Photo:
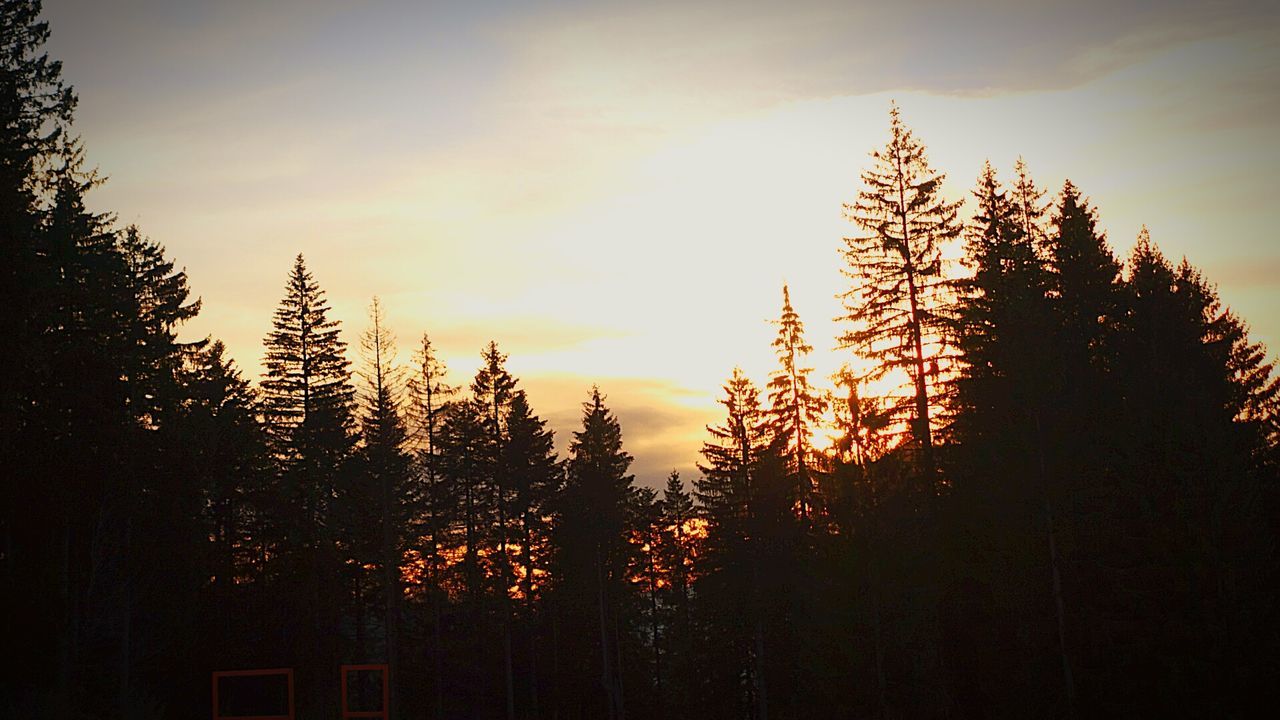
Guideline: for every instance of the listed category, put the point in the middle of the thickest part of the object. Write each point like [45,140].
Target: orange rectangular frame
[286,672]
[386,692]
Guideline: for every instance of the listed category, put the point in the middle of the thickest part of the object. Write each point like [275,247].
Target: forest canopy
[1052,489]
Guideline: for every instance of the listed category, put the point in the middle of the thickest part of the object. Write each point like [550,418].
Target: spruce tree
[220,419]
[1002,315]
[308,402]
[900,288]
[160,294]
[737,491]
[593,553]
[1003,404]
[435,498]
[308,412]
[795,407]
[491,395]
[536,478]
[386,476]
[36,109]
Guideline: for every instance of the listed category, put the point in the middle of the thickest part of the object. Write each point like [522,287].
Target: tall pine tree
[900,285]
[308,410]
[795,407]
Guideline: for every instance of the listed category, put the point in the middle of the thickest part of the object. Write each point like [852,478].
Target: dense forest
[1052,493]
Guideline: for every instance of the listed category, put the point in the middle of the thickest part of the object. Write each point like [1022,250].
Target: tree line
[1051,491]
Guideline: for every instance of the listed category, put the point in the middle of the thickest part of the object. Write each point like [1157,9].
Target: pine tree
[678,545]
[796,409]
[1188,500]
[1030,209]
[491,396]
[536,478]
[861,421]
[736,491]
[732,456]
[1084,283]
[386,468]
[1003,402]
[436,501]
[308,401]
[307,406]
[36,109]
[220,415]
[77,432]
[900,284]
[593,553]
[1002,315]
[160,294]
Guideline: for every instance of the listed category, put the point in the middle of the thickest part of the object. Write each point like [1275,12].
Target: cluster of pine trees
[1065,504]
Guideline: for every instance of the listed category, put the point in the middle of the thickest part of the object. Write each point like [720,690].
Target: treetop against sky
[616,193]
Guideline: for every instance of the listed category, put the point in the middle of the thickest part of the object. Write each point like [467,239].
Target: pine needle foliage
[896,307]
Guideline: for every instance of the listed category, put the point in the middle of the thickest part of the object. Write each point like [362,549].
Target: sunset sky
[616,192]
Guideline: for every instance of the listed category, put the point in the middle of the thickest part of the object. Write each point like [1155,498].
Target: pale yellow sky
[616,192]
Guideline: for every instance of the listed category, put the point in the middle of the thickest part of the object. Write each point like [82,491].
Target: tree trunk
[606,676]
[392,596]
[1068,681]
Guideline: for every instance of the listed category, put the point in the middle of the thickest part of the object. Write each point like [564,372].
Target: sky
[616,192]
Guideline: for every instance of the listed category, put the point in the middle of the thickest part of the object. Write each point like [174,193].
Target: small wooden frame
[287,673]
[384,711]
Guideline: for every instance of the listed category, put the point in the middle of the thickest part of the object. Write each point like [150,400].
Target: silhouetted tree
[536,477]
[795,407]
[900,286]
[593,552]
[308,410]
[377,510]
[437,501]
[733,491]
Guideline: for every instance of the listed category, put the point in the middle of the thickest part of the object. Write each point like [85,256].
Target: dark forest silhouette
[1067,508]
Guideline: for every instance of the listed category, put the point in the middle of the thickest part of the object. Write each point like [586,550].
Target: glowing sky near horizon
[615,192]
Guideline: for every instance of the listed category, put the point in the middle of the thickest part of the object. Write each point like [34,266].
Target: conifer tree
[1002,314]
[160,294]
[900,286]
[386,481]
[593,553]
[78,430]
[464,447]
[1002,390]
[308,412]
[1030,209]
[796,408]
[738,469]
[678,545]
[220,416]
[491,395]
[308,401]
[36,109]
[1084,283]
[536,477]
[436,500]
